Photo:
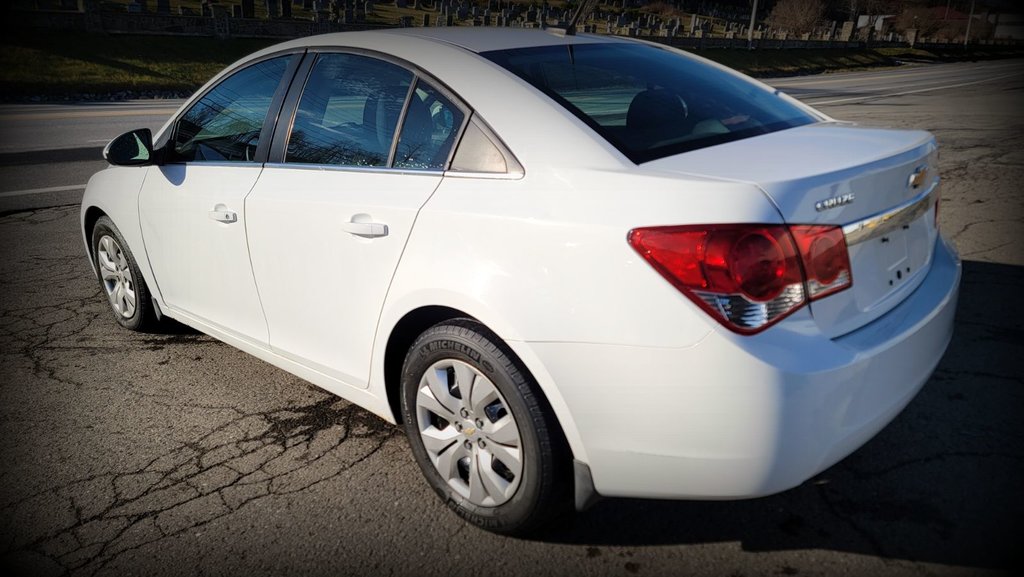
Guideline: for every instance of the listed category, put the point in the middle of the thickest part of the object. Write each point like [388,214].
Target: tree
[797,16]
[920,18]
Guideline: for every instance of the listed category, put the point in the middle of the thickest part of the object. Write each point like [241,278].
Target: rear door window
[429,130]
[349,111]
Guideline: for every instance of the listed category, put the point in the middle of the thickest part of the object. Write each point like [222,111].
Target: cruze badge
[833,202]
[918,176]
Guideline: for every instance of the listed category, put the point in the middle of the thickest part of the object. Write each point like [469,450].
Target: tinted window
[225,124]
[349,111]
[428,131]
[650,102]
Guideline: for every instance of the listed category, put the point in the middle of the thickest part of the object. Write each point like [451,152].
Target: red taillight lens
[747,276]
[825,257]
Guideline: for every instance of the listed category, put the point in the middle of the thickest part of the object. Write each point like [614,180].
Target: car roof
[484,39]
[474,39]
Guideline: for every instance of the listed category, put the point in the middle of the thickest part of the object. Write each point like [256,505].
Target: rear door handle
[365,229]
[221,213]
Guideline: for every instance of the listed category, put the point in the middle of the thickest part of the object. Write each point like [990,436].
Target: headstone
[273,8]
[847,31]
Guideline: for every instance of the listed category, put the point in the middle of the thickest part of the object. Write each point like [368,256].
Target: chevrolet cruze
[570,265]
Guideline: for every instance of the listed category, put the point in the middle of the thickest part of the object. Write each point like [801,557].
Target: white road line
[938,70]
[41,190]
[905,92]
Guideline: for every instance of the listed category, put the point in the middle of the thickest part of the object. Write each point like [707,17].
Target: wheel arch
[416,321]
[89,219]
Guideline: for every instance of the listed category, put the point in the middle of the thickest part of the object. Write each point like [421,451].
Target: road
[174,454]
[49,151]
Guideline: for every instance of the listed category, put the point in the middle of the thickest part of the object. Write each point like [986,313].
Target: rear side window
[431,125]
[650,102]
[349,111]
[226,123]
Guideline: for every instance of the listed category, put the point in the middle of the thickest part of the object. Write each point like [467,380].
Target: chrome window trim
[484,175]
[344,168]
[218,163]
[884,222]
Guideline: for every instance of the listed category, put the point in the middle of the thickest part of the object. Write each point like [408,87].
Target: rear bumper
[737,417]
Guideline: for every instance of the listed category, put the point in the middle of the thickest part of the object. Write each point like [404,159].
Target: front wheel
[120,278]
[482,432]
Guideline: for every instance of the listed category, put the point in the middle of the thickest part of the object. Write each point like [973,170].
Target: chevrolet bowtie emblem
[918,177]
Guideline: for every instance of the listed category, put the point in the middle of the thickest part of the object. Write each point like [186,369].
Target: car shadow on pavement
[941,484]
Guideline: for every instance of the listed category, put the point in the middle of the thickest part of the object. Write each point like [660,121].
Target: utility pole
[970,17]
[750,31]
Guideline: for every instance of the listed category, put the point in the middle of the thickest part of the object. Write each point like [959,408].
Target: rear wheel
[120,278]
[481,431]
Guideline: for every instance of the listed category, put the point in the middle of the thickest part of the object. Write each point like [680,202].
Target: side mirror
[133,148]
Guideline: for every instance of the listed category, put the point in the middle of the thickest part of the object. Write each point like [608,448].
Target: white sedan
[571,265]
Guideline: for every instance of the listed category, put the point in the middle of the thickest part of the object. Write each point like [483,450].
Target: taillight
[748,276]
[825,257]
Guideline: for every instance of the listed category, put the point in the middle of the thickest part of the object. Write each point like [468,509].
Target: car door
[192,204]
[366,147]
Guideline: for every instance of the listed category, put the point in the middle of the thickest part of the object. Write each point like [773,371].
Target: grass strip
[76,64]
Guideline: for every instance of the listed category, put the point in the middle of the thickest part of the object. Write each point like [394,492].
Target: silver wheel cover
[469,433]
[117,276]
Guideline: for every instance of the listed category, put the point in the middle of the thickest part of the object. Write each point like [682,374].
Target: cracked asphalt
[174,454]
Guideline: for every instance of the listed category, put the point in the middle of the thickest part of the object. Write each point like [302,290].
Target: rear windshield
[650,102]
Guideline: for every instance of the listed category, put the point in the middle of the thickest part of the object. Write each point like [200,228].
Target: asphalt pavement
[174,454]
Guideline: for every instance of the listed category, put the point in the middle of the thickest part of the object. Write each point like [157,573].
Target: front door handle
[221,213]
[366,229]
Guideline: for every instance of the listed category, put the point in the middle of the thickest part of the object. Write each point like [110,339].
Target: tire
[120,278]
[482,432]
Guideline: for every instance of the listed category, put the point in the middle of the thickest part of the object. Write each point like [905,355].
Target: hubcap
[117,276]
[469,433]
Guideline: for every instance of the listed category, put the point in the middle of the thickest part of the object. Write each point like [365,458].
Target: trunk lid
[879,184]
